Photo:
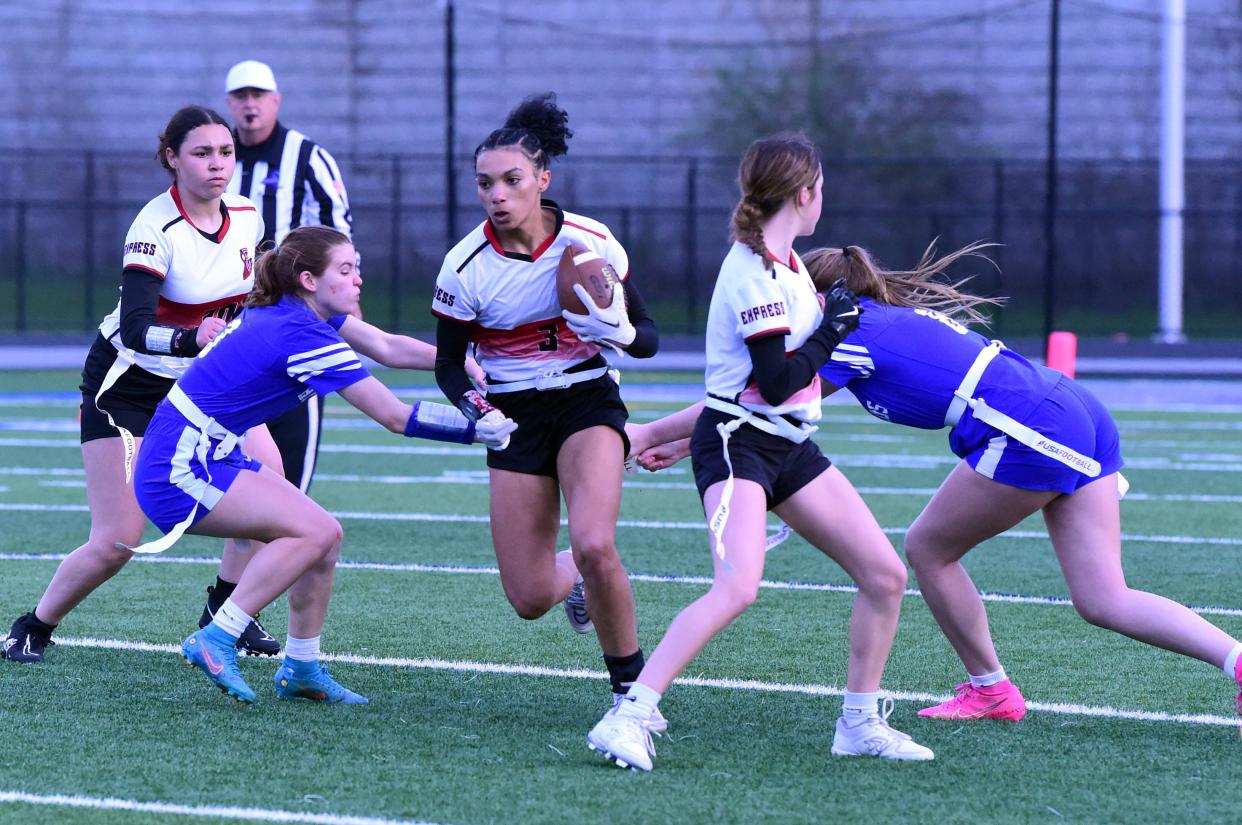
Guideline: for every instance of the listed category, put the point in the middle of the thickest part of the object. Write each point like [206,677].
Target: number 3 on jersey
[549,344]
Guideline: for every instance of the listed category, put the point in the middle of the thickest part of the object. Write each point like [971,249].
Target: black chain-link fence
[63,219]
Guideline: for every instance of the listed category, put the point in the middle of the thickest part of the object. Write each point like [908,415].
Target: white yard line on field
[455,569]
[233,814]
[1070,709]
[450,518]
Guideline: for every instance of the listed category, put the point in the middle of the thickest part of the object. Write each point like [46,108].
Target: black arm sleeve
[779,376]
[452,340]
[647,338]
[140,297]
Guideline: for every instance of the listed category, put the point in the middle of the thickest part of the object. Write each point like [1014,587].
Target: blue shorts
[168,477]
[1068,415]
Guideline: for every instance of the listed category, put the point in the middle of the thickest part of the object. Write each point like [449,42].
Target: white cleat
[624,740]
[873,737]
[576,609]
[656,723]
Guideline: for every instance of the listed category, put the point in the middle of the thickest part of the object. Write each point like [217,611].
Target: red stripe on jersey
[792,263]
[439,314]
[154,272]
[241,209]
[224,227]
[174,314]
[489,232]
[585,229]
[766,333]
[810,393]
[546,339]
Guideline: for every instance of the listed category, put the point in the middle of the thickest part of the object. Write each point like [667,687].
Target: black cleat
[27,640]
[254,641]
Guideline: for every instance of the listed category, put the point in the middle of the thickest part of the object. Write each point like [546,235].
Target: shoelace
[648,723]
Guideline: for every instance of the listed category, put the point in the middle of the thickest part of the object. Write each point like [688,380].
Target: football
[581,266]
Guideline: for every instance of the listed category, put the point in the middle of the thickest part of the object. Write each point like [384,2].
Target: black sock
[623,670]
[40,624]
[220,593]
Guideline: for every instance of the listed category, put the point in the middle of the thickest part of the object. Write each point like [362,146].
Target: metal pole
[20,321]
[692,244]
[450,125]
[1172,170]
[394,252]
[1050,186]
[88,242]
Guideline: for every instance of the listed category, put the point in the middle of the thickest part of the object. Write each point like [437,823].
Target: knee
[324,536]
[1096,610]
[735,597]
[529,606]
[109,552]
[886,582]
[919,548]
[596,557]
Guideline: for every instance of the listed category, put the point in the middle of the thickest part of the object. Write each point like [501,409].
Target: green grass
[452,746]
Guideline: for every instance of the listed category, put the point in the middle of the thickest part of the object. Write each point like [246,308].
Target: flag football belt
[964,397]
[209,430]
[770,424]
[550,380]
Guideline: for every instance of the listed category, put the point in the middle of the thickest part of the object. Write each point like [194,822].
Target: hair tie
[845,251]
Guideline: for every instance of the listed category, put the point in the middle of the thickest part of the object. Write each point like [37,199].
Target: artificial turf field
[477,716]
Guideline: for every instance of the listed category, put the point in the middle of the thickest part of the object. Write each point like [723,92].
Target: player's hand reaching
[841,311]
[491,428]
[208,329]
[609,326]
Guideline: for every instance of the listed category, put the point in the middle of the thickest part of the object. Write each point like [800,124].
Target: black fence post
[692,244]
[88,242]
[20,323]
[394,251]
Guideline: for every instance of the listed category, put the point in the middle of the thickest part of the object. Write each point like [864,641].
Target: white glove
[493,430]
[491,427]
[610,326]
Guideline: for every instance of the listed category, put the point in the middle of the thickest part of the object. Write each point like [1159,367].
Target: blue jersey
[904,365]
[266,362]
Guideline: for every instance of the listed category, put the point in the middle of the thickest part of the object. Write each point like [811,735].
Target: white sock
[232,619]
[988,679]
[1231,661]
[640,701]
[303,650]
[860,705]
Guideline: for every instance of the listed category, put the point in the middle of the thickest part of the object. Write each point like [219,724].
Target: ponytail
[913,288]
[305,249]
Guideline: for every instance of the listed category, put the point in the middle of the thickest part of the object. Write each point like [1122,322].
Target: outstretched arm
[396,351]
[424,419]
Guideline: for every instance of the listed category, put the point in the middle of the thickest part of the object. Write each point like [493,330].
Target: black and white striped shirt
[294,181]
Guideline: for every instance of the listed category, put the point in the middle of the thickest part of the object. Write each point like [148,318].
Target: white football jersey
[202,276]
[510,298]
[749,302]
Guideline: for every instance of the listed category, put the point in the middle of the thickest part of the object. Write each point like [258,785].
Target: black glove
[841,311]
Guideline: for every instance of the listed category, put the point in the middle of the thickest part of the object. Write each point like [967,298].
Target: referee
[295,182]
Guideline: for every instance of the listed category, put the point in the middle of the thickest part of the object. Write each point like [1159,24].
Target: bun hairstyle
[537,126]
[184,121]
[305,249]
[913,288]
[773,170]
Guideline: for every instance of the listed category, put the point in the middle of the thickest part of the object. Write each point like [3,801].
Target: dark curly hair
[537,126]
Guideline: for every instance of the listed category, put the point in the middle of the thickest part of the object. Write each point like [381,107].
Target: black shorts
[547,418]
[131,400]
[776,464]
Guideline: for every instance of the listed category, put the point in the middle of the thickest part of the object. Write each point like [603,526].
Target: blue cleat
[215,654]
[311,680]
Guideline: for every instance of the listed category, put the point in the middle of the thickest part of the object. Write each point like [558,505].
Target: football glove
[841,311]
[609,326]
[491,427]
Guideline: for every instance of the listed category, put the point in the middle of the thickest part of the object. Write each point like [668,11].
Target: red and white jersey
[510,298]
[749,302]
[203,274]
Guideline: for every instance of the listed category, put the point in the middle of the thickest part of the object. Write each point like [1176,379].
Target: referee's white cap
[250,74]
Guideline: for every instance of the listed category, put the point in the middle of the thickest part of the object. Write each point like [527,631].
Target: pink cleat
[1000,701]
[1237,677]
